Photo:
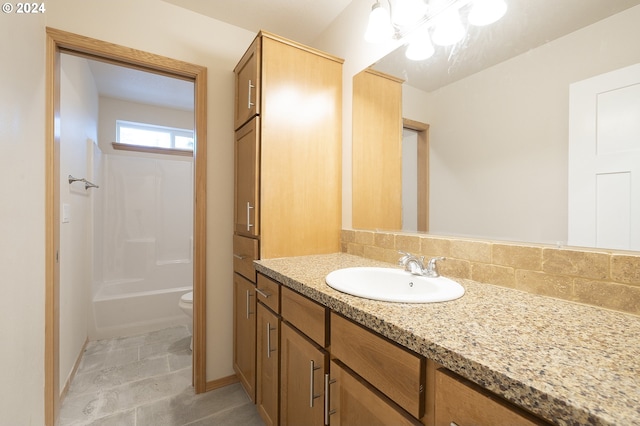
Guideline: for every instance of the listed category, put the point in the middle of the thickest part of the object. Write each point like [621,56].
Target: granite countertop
[571,364]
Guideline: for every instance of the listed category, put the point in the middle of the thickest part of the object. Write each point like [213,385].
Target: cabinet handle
[249,103]
[327,382]
[249,224]
[249,303]
[453,424]
[263,293]
[239,256]
[312,382]
[269,330]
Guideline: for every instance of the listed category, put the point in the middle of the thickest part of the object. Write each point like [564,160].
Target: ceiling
[299,20]
[527,24]
[133,85]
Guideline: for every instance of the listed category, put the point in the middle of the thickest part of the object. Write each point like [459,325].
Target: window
[152,136]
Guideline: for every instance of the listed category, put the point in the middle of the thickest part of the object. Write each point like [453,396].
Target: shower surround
[143,260]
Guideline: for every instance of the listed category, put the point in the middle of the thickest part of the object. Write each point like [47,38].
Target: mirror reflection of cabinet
[383,191]
[377,151]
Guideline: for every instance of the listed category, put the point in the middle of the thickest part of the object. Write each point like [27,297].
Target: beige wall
[22,219]
[117,109]
[149,25]
[79,123]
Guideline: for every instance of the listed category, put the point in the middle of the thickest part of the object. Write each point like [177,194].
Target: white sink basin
[393,285]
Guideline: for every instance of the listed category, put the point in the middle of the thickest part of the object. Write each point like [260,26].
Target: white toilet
[186,304]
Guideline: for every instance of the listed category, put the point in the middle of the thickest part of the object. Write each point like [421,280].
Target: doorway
[415,176]
[59,42]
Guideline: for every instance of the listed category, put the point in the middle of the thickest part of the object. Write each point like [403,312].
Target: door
[303,365]
[604,161]
[246,179]
[244,333]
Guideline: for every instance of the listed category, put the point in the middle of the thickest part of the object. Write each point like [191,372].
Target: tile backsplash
[605,278]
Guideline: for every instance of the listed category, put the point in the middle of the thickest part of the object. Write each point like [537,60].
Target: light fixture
[485,12]
[379,28]
[414,19]
[420,47]
[408,13]
[448,28]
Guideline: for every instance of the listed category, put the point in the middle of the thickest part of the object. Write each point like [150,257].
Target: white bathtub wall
[147,234]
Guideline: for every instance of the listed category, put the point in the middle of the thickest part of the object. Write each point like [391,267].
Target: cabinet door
[268,357]
[302,368]
[354,402]
[247,72]
[244,333]
[460,402]
[246,186]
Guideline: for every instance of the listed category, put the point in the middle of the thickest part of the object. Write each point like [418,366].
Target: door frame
[64,42]
[422,129]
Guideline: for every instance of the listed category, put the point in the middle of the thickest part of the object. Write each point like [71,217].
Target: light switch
[66,213]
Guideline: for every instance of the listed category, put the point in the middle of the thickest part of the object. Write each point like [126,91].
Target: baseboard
[219,383]
[65,389]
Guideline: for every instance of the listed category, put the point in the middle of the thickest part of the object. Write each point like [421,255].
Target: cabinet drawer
[395,371]
[355,402]
[460,402]
[268,292]
[245,251]
[305,315]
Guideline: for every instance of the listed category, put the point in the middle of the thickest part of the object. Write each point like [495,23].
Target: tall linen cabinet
[288,127]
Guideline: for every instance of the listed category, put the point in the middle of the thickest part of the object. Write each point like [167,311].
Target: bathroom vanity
[494,356]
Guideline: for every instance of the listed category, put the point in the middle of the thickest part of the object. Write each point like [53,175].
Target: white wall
[78,129]
[22,192]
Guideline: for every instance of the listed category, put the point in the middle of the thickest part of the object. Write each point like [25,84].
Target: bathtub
[133,306]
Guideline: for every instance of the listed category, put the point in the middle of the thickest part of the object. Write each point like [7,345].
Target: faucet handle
[432,267]
[405,257]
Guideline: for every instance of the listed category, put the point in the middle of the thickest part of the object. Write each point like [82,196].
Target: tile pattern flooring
[146,380]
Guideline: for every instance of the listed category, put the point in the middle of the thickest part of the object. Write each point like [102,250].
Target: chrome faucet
[415,265]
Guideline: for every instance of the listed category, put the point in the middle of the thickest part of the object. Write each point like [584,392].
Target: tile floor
[146,380]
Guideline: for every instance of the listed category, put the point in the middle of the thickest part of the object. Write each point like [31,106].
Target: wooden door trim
[58,42]
[423,170]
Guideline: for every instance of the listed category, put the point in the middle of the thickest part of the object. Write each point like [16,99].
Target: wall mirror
[499,104]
